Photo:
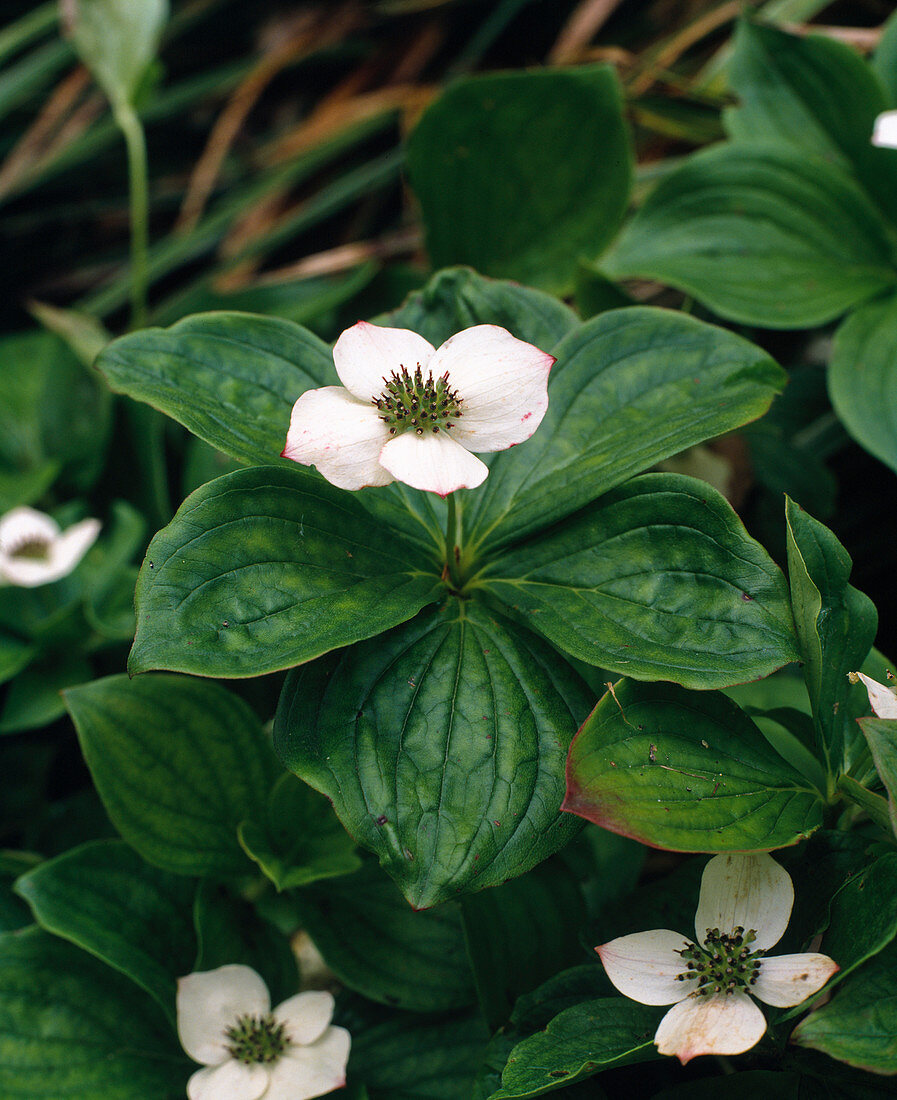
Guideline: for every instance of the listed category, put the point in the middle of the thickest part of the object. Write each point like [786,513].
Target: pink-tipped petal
[645,966]
[308,1071]
[306,1016]
[342,437]
[882,699]
[433,462]
[230,1081]
[503,383]
[210,1001]
[365,354]
[884,132]
[746,889]
[786,980]
[710,1025]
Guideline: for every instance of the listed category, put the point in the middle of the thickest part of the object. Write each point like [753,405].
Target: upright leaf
[441,746]
[762,235]
[881,737]
[265,568]
[179,763]
[836,626]
[560,138]
[659,580]
[684,770]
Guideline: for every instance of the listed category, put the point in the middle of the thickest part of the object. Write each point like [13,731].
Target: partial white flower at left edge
[250,1052]
[884,132]
[410,412]
[743,910]
[34,550]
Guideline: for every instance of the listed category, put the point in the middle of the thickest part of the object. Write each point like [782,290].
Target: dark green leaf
[658,580]
[377,945]
[687,771]
[231,378]
[881,737]
[14,656]
[179,763]
[884,60]
[859,1024]
[630,388]
[265,568]
[75,1028]
[861,377]
[748,1085]
[565,175]
[34,698]
[863,915]
[580,1042]
[836,626]
[301,839]
[762,235]
[133,917]
[442,746]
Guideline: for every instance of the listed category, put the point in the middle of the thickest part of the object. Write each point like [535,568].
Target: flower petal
[884,132]
[365,354]
[341,436]
[645,966]
[432,462]
[503,383]
[306,1015]
[210,1001]
[882,699]
[73,544]
[786,980]
[304,1072]
[748,889]
[710,1025]
[230,1081]
[24,525]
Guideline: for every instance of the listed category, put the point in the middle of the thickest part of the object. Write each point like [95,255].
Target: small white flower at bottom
[34,550]
[743,910]
[251,1052]
[884,132]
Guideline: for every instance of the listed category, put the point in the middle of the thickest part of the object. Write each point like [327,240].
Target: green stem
[132,129]
[873,804]
[453,542]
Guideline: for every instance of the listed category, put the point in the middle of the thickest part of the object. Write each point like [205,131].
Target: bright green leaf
[881,737]
[687,771]
[657,580]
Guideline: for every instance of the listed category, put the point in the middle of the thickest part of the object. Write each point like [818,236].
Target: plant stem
[453,541]
[132,129]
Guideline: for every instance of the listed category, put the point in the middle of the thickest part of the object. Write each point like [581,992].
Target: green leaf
[836,627]
[301,840]
[14,656]
[578,1043]
[442,747]
[522,933]
[862,381]
[565,175]
[863,915]
[74,1027]
[117,40]
[133,917]
[230,378]
[859,1024]
[630,388]
[418,1058]
[379,947]
[761,235]
[457,298]
[230,930]
[684,770]
[881,737]
[265,568]
[658,580]
[884,60]
[179,763]
[34,698]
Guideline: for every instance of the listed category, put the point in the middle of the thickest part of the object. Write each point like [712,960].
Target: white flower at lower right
[743,910]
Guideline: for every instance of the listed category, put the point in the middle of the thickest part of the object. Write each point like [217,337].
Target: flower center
[31,549]
[723,963]
[257,1040]
[411,401]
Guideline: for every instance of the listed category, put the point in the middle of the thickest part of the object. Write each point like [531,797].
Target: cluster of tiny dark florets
[257,1040]
[412,401]
[34,549]
[723,963]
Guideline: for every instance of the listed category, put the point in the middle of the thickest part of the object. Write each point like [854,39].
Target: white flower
[249,1052]
[34,550]
[882,699]
[884,132]
[743,910]
[412,413]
